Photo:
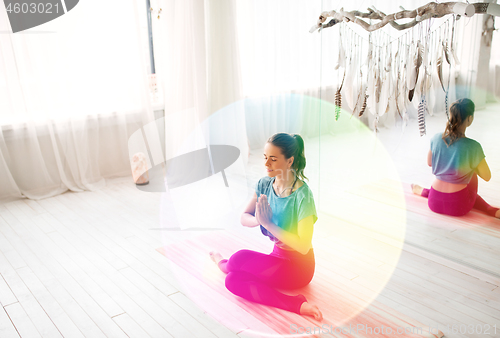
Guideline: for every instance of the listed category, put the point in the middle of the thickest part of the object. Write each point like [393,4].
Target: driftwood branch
[431,10]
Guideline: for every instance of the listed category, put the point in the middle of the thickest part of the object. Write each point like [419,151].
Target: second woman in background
[456,161]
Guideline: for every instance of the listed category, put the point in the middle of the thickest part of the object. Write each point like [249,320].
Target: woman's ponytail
[299,162]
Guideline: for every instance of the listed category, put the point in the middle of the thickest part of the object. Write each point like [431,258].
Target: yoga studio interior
[249,168]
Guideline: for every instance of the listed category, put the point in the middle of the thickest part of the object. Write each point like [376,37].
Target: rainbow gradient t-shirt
[289,210]
[455,163]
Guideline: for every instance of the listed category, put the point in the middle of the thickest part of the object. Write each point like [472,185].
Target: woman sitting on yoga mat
[456,162]
[283,207]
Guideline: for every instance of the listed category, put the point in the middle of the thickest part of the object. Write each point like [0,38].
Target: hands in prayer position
[263,211]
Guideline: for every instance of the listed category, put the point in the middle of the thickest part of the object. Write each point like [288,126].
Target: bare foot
[215,257]
[416,189]
[307,309]
[497,214]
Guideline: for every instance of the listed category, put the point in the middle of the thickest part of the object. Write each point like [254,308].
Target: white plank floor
[86,265]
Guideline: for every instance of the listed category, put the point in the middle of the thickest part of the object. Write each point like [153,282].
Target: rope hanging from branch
[431,10]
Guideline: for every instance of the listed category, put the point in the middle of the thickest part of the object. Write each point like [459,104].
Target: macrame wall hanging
[398,74]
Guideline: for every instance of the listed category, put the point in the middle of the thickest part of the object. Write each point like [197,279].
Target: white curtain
[198,67]
[71,93]
[282,67]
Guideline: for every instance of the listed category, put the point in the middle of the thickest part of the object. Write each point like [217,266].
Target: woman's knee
[230,281]
[235,279]
[239,258]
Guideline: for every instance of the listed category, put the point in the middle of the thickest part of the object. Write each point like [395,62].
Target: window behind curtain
[86,62]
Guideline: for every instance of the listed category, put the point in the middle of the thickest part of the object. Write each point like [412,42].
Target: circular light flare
[355,166]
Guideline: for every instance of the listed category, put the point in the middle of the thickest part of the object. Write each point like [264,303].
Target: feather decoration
[425,55]
[409,70]
[421,116]
[388,63]
[454,54]
[422,83]
[341,60]
[446,52]
[361,93]
[428,63]
[370,53]
[439,64]
[453,43]
[338,104]
[425,85]
[397,94]
[401,96]
[406,102]
[378,88]
[411,92]
[418,58]
[371,79]
[396,84]
[414,75]
[418,61]
[386,91]
[428,83]
[338,100]
[351,82]
[406,118]
[363,107]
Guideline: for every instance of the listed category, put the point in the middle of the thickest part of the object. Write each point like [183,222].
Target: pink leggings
[254,276]
[458,203]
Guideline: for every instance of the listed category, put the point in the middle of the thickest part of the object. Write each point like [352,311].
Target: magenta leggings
[255,276]
[458,203]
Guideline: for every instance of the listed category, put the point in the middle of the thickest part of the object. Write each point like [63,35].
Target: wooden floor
[88,264]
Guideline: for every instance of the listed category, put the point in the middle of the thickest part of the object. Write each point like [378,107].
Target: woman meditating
[283,207]
[456,162]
